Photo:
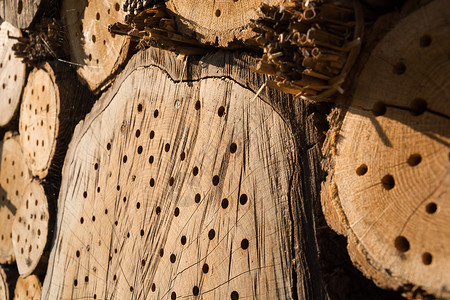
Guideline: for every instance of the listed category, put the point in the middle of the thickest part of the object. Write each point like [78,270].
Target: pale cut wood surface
[14,176]
[39,120]
[20,13]
[92,47]
[391,183]
[4,291]
[29,288]
[217,22]
[30,228]
[172,189]
[12,73]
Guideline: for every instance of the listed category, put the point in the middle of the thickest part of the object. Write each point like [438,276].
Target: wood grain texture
[4,292]
[53,102]
[30,228]
[14,176]
[12,73]
[181,182]
[20,13]
[97,53]
[391,180]
[217,23]
[28,288]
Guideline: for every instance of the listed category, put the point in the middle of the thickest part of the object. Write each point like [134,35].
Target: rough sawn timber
[182,181]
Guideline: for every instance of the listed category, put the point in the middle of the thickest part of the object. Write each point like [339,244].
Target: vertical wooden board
[392,166]
[4,292]
[97,53]
[20,13]
[219,23]
[175,188]
[14,176]
[12,73]
[30,228]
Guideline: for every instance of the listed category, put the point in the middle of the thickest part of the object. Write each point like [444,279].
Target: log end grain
[28,288]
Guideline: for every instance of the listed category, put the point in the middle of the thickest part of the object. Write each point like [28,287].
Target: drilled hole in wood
[75,282]
[197,105]
[176,212]
[118,187]
[211,234]
[19,7]
[152,134]
[161,252]
[125,158]
[171,181]
[86,278]
[205,268]
[233,148]
[139,150]
[153,287]
[81,220]
[151,159]
[425,41]
[116,222]
[98,189]
[224,203]
[108,146]
[243,199]
[117,6]
[197,198]
[106,211]
[138,205]
[138,133]
[96,166]
[167,147]
[142,232]
[156,113]
[379,109]
[401,244]
[388,182]
[431,208]
[195,171]
[427,258]
[218,13]
[418,106]
[173,296]
[139,107]
[158,210]
[221,111]
[234,295]
[399,68]
[361,170]
[115,277]
[94,39]
[244,244]
[215,180]
[173,258]
[93,218]
[414,159]
[183,240]
[152,182]
[195,290]
[95,296]
[97,16]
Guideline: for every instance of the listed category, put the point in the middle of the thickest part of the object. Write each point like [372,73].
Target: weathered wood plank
[182,181]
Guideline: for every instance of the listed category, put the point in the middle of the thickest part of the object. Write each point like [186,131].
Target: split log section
[179,183]
[390,186]
[12,73]
[14,176]
[29,288]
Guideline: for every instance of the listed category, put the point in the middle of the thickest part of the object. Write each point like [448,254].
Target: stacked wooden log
[309,46]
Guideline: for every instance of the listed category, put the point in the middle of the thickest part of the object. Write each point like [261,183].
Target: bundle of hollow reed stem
[153,27]
[41,43]
[309,46]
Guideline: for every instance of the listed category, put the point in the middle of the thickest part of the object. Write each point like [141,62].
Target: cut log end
[30,228]
[29,288]
[392,163]
[14,176]
[39,121]
[12,74]
[92,47]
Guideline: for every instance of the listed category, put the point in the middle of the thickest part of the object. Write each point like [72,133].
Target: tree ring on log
[4,290]
[151,179]
[12,73]
[391,177]
[39,120]
[98,53]
[29,288]
[14,176]
[20,13]
[29,232]
[217,22]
